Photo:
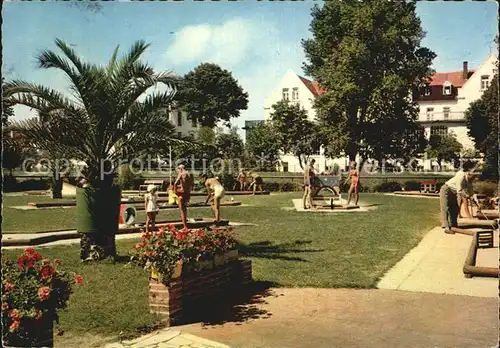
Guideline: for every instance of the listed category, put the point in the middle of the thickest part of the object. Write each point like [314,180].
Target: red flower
[14,326]
[138,246]
[57,261]
[79,279]
[8,286]
[20,261]
[43,293]
[32,254]
[5,306]
[158,244]
[47,271]
[14,314]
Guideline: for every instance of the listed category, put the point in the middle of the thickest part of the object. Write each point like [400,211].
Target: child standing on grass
[151,207]
[354,177]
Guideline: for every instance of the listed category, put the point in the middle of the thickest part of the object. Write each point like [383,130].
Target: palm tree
[110,116]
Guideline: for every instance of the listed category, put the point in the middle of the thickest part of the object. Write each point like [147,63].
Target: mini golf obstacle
[59,204]
[135,193]
[480,239]
[52,236]
[416,194]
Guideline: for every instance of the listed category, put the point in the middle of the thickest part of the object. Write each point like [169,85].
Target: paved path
[168,338]
[344,318]
[436,264]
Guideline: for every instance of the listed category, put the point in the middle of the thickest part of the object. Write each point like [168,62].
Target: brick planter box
[168,301]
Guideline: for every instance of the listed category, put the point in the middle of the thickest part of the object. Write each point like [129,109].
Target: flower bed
[33,290]
[194,250]
[189,265]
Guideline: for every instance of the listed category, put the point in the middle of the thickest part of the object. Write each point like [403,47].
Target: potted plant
[112,119]
[224,244]
[33,290]
[160,253]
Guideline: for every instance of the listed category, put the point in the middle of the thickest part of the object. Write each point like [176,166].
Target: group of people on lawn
[182,188]
[311,186]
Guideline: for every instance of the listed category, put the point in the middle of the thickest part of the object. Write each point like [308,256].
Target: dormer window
[285,94]
[485,82]
[427,90]
[447,88]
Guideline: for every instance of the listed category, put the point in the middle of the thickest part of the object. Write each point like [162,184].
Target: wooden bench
[158,183]
[428,186]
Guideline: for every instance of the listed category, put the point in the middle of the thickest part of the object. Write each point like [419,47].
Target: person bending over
[215,193]
[451,194]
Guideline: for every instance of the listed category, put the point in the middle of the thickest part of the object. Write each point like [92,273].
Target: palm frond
[71,54]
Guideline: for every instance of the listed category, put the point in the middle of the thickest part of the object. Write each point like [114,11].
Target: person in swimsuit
[151,207]
[242,178]
[308,187]
[182,187]
[215,194]
[354,176]
[257,182]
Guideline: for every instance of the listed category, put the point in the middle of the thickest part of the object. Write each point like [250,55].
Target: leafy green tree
[444,148]
[368,58]
[262,148]
[295,133]
[105,121]
[229,146]
[481,119]
[210,94]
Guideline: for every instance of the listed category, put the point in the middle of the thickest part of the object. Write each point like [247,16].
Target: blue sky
[257,41]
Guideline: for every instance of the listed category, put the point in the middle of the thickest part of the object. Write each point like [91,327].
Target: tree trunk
[56,187]
[352,126]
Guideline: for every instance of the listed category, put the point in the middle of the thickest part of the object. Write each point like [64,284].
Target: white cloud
[225,44]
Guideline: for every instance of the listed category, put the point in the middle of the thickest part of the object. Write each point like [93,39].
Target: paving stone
[153,338]
[179,341]
[114,345]
[202,342]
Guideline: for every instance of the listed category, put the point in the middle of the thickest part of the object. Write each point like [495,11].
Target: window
[295,94]
[427,90]
[317,151]
[447,89]
[179,118]
[485,82]
[439,130]
[285,94]
[430,114]
[446,113]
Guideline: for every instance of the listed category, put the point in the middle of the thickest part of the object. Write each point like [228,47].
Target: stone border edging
[127,230]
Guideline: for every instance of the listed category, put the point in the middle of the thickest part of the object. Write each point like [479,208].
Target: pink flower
[14,326]
[14,314]
[79,279]
[8,286]
[43,293]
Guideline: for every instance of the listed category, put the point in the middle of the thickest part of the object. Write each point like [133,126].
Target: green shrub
[11,184]
[388,186]
[411,185]
[126,178]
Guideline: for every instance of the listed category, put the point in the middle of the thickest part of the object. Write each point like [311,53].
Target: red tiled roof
[454,77]
[313,86]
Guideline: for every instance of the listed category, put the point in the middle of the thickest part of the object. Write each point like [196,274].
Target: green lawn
[287,248]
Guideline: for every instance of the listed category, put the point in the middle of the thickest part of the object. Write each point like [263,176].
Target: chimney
[465,72]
